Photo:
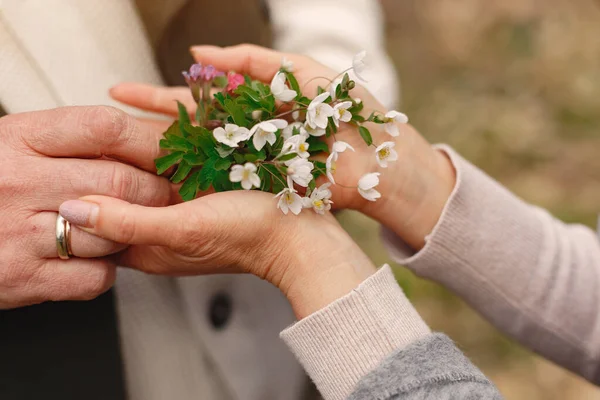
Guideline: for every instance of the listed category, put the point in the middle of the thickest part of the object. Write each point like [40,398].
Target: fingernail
[79,212]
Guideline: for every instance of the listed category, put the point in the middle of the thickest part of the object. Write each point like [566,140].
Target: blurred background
[514,86]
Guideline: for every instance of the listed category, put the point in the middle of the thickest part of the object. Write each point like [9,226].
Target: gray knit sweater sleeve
[430,368]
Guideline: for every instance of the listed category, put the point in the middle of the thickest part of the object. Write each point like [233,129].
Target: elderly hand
[414,189]
[47,157]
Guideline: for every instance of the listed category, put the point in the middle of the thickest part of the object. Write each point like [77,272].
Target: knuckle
[126,229]
[122,182]
[111,125]
[99,281]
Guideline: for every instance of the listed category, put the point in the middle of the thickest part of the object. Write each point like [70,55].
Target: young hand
[309,256]
[414,188]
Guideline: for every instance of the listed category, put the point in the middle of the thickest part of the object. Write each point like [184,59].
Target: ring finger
[82,244]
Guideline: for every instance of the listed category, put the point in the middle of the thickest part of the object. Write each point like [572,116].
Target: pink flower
[199,73]
[233,81]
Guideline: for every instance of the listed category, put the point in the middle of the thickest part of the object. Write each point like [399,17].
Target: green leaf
[316,146]
[194,159]
[222,164]
[366,135]
[202,138]
[224,152]
[236,112]
[358,118]
[184,117]
[249,92]
[253,157]
[164,163]
[239,158]
[320,90]
[279,181]
[265,179]
[207,174]
[293,83]
[220,97]
[182,172]
[311,186]
[221,182]
[189,189]
[320,169]
[345,80]
[287,157]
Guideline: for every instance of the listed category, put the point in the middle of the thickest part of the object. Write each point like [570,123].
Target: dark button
[220,310]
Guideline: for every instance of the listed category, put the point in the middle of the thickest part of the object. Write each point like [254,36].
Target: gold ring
[63,238]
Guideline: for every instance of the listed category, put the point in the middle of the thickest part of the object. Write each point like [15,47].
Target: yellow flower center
[333,167]
[302,147]
[318,203]
[246,174]
[288,198]
[384,153]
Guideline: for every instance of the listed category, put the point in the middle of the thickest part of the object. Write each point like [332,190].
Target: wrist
[414,190]
[322,264]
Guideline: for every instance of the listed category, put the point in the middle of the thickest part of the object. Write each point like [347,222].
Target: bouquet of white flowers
[250,135]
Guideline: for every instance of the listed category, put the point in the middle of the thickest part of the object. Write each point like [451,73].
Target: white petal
[397,116]
[340,147]
[271,138]
[255,180]
[316,132]
[369,181]
[392,129]
[277,123]
[259,141]
[370,194]
[318,100]
[326,109]
[250,167]
[296,206]
[219,134]
[236,174]
[246,184]
[286,95]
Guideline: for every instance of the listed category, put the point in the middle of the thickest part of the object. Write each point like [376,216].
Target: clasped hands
[96,165]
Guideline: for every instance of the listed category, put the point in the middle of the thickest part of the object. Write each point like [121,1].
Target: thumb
[123,222]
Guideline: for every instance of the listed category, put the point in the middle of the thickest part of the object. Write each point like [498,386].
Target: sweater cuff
[480,214]
[340,344]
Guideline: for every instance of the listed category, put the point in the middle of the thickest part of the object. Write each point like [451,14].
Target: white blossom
[256,114]
[289,200]
[318,112]
[358,65]
[299,171]
[390,119]
[279,88]
[246,174]
[296,112]
[296,144]
[385,153]
[317,132]
[366,186]
[320,199]
[341,113]
[264,132]
[231,135]
[288,131]
[357,100]
[333,88]
[330,164]
[287,65]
